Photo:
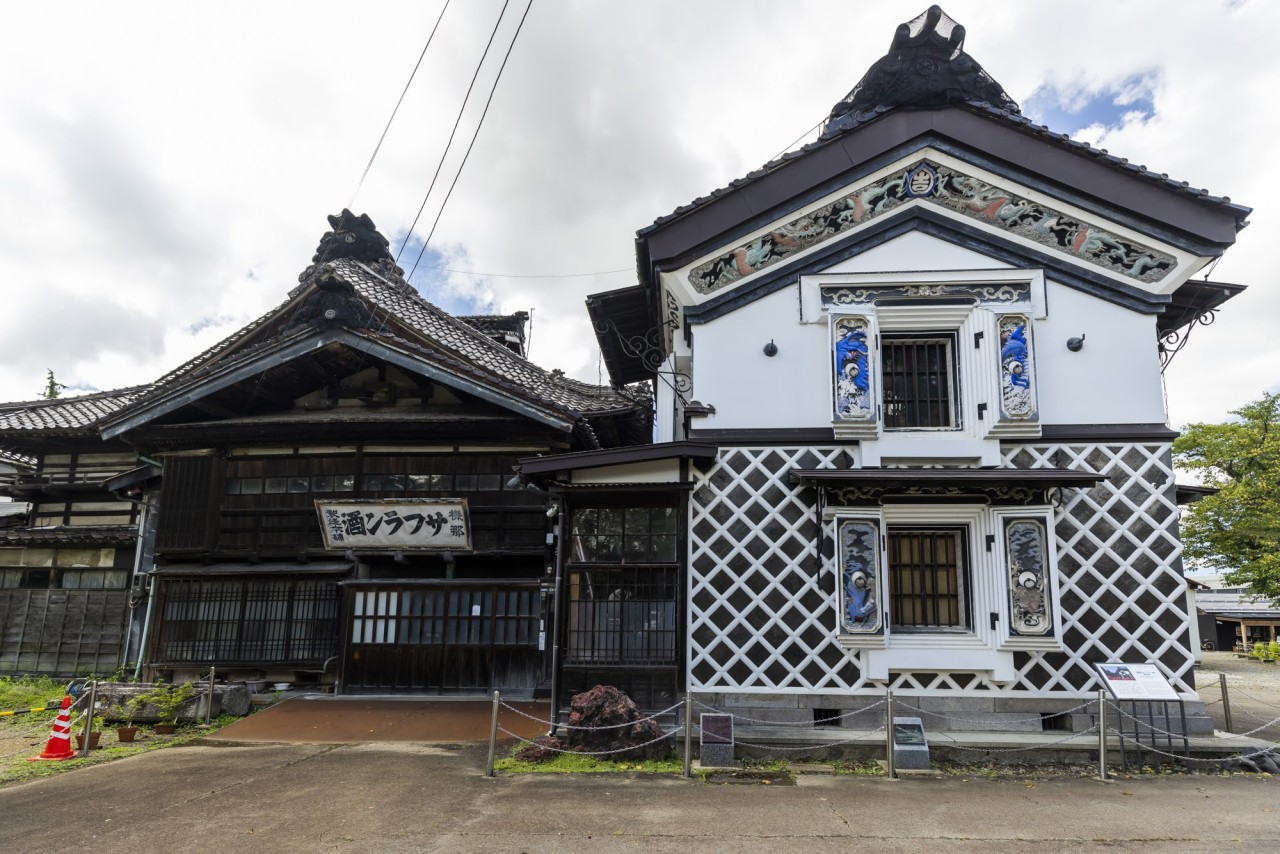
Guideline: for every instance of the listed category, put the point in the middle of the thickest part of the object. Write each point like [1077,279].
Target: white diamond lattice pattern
[763,605]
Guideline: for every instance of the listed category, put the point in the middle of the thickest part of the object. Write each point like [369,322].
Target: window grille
[918,380]
[624,535]
[245,619]
[927,579]
[622,616]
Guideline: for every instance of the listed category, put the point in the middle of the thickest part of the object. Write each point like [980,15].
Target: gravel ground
[1253,689]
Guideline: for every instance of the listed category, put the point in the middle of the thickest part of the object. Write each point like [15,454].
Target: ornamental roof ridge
[67,413]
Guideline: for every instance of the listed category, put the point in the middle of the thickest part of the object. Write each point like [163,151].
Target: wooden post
[208,705]
[493,736]
[1226,703]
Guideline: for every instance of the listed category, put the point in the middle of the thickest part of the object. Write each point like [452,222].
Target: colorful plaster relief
[872,294]
[860,611]
[852,370]
[1017,379]
[1028,577]
[955,191]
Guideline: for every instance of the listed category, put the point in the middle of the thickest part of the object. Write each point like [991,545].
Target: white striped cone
[59,744]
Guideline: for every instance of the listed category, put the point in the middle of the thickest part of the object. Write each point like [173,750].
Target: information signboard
[1135,681]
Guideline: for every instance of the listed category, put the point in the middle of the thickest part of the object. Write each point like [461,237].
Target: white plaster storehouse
[910,421]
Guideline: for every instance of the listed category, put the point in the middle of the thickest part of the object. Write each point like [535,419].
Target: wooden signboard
[428,524]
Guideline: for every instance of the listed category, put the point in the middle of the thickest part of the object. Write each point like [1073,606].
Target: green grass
[569,763]
[25,692]
[17,770]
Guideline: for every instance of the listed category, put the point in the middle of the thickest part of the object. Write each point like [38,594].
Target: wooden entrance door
[442,637]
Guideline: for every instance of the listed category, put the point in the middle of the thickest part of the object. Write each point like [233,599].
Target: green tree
[52,388]
[1237,531]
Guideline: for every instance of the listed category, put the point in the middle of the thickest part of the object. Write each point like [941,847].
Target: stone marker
[716,744]
[910,747]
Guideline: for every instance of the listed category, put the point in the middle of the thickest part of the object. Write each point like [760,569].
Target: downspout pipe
[556,596]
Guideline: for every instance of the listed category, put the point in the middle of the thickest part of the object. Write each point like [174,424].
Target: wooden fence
[62,632]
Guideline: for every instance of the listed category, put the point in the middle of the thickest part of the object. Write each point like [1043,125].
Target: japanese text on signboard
[431,524]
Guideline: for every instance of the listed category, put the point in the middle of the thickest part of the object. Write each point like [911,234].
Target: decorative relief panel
[860,611]
[971,197]
[853,364]
[1017,377]
[1029,600]
[1018,292]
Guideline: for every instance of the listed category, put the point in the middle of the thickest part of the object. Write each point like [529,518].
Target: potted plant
[168,699]
[126,731]
[96,725]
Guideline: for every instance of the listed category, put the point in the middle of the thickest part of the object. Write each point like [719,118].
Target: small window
[624,535]
[919,383]
[927,586]
[344,483]
[276,485]
[322,483]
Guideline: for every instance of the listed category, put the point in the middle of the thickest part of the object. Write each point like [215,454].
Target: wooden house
[329,493]
[910,423]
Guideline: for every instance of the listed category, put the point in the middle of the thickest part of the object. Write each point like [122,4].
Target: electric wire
[492,90]
[448,145]
[396,109]
[529,275]
[794,141]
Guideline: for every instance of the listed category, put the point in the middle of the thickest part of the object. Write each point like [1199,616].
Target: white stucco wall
[1114,379]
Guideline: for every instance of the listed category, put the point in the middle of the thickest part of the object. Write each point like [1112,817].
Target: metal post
[90,708]
[1102,734]
[493,736]
[888,735]
[688,736]
[1226,702]
[208,706]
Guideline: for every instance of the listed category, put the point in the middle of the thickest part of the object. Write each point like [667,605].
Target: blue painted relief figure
[861,610]
[1016,380]
[853,377]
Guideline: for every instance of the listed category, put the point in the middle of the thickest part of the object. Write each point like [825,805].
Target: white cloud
[169,166]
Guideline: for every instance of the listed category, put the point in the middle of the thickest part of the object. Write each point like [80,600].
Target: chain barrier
[536,719]
[510,734]
[35,733]
[1250,714]
[1035,719]
[877,704]
[1027,749]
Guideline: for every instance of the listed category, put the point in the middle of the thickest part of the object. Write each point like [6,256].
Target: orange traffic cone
[59,745]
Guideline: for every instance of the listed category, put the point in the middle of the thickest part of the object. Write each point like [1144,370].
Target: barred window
[919,381]
[624,535]
[927,584]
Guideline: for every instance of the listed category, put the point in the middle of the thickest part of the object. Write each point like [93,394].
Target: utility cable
[396,109]
[493,89]
[453,132]
[528,275]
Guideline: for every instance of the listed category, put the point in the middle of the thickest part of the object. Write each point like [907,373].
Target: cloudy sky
[167,167]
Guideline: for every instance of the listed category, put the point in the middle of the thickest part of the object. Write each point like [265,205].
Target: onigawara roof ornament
[926,66]
[356,238]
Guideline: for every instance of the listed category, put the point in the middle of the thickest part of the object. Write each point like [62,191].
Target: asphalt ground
[394,797]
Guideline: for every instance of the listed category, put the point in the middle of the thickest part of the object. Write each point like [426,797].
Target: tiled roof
[447,340]
[86,535]
[491,324]
[64,415]
[1008,117]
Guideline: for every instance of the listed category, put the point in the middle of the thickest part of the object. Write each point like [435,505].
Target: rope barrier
[1256,699]
[847,714]
[1153,728]
[662,737]
[1144,747]
[536,719]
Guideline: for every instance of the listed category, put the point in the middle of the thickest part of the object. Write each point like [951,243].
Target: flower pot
[166,729]
[93,740]
[125,734]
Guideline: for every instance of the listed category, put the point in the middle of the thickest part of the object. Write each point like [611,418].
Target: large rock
[605,722]
[227,700]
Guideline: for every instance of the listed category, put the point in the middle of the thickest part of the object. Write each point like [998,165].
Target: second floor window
[919,382]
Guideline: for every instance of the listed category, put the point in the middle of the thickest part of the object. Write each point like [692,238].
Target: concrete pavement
[396,797]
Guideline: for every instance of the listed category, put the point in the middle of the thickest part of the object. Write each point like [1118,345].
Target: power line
[492,89]
[794,141]
[453,132]
[396,109]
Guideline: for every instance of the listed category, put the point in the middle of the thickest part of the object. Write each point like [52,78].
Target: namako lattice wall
[763,605]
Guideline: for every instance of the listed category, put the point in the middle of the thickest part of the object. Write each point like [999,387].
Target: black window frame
[908,584]
[911,404]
